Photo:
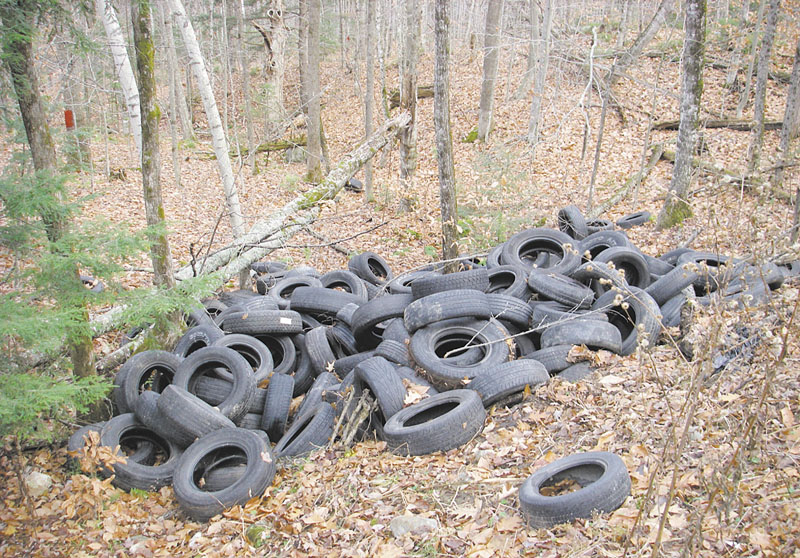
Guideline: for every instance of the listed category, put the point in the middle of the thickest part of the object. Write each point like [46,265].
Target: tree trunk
[314,157]
[748,83]
[676,208]
[218,140]
[757,135]
[144,48]
[302,54]
[623,25]
[444,138]
[181,96]
[408,99]
[369,94]
[736,56]
[789,118]
[122,64]
[542,61]
[530,68]
[491,58]
[244,68]
[274,35]
[629,57]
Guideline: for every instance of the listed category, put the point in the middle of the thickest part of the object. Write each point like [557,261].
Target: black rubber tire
[596,225]
[197,338]
[394,351]
[322,383]
[152,369]
[130,474]
[605,484]
[554,358]
[401,284]
[671,310]
[509,280]
[525,248]
[223,472]
[508,379]
[214,390]
[495,257]
[202,505]
[323,303]
[250,421]
[510,309]
[370,267]
[655,266]
[259,303]
[275,414]
[669,285]
[284,355]
[445,305]
[411,376]
[341,340]
[633,219]
[373,313]
[396,330]
[342,366]
[77,441]
[271,266]
[572,222]
[378,375]
[310,431]
[254,351]
[239,296]
[319,350]
[342,280]
[188,416]
[265,322]
[548,312]
[560,288]
[148,414]
[444,371]
[303,271]
[594,334]
[524,340]
[220,318]
[599,276]
[638,312]
[441,422]
[576,372]
[629,261]
[713,270]
[206,361]
[283,289]
[594,244]
[345,314]
[301,369]
[471,279]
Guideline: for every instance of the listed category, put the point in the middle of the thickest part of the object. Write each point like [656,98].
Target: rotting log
[636,178]
[277,145]
[327,189]
[423,92]
[734,124]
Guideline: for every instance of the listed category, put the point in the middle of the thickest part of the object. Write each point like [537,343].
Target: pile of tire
[265,375]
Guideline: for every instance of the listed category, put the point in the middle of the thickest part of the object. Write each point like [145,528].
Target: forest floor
[714,458]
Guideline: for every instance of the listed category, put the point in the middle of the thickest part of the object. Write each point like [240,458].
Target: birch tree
[491,58]
[789,118]
[122,65]
[676,208]
[542,62]
[533,42]
[757,134]
[369,93]
[444,137]
[151,162]
[408,98]
[218,140]
[314,141]
[642,40]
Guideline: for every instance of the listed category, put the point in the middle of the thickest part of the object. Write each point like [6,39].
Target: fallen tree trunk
[326,190]
[276,145]
[423,92]
[737,124]
[636,178]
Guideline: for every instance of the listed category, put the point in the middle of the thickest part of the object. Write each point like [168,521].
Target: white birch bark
[122,65]
[542,60]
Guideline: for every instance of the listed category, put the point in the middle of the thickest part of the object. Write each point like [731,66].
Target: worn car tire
[508,379]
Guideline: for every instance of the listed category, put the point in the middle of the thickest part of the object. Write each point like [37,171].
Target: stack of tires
[263,375]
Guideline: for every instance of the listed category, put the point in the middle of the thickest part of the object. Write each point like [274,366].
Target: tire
[283,289]
[314,396]
[596,225]
[669,285]
[215,390]
[284,355]
[604,480]
[600,277]
[714,271]
[322,303]
[396,330]
[206,361]
[341,340]
[402,283]
[222,473]
[554,358]
[309,432]
[633,219]
[592,333]
[197,338]
[276,406]
[219,319]
[656,266]
[301,369]
[441,422]
[594,244]
[148,414]
[345,314]
[628,261]
[572,222]
[637,312]
[250,421]
[525,248]
[341,280]
[379,376]
[510,309]
[411,376]
[268,267]
[508,379]
[266,322]
[394,351]
[445,305]
[77,441]
[560,288]
[257,355]
[342,366]
[370,315]
[370,267]
[153,370]
[576,372]
[510,281]
[671,310]
[202,505]
[188,416]
[495,257]
[130,475]
[474,279]
[429,344]
[319,350]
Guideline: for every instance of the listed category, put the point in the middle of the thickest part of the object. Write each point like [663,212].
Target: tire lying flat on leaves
[595,334]
[202,505]
[572,222]
[604,481]
[441,422]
